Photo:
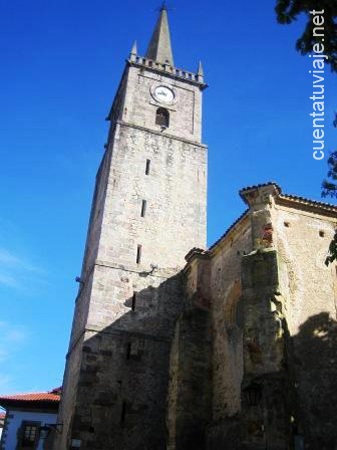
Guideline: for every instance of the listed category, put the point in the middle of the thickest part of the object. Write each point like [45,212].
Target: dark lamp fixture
[253,394]
[47,427]
[44,431]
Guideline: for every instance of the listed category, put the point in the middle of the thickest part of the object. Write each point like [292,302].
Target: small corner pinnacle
[200,69]
[133,53]
[134,49]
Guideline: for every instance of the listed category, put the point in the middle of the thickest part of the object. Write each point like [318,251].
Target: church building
[178,347]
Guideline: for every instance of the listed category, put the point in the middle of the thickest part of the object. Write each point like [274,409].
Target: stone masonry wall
[309,287]
[190,388]
[227,324]
[121,388]
[266,386]
[124,372]
[68,397]
[116,377]
[149,210]
[227,341]
[303,240]
[174,191]
[289,301]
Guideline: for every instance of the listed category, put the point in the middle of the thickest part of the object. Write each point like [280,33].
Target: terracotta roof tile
[281,196]
[309,201]
[248,188]
[290,197]
[32,397]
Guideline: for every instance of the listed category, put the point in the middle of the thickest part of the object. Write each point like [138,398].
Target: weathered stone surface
[236,350]
[117,371]
[190,390]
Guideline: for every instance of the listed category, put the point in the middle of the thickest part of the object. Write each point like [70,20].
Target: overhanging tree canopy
[287,12]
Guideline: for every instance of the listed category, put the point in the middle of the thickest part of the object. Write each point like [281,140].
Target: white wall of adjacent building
[14,423]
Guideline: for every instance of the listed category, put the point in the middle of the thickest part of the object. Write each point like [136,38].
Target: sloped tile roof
[256,186]
[295,198]
[52,396]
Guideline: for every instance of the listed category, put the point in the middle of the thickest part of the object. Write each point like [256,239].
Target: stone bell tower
[148,211]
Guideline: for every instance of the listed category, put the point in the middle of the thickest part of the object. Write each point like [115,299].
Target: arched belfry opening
[162,117]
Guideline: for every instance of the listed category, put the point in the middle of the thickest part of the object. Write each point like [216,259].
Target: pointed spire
[159,48]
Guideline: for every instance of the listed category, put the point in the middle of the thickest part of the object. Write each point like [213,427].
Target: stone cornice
[160,133]
[158,273]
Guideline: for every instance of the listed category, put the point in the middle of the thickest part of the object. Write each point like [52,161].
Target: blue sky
[61,64]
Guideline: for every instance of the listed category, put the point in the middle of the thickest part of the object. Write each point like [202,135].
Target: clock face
[164,94]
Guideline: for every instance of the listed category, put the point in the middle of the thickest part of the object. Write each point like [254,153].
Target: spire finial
[159,48]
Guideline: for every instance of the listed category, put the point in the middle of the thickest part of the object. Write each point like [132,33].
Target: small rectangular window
[139,254]
[147,167]
[133,351]
[29,434]
[143,210]
[134,299]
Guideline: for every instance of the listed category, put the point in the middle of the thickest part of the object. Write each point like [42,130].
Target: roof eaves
[234,224]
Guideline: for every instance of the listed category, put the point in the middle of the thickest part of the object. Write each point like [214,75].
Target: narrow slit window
[139,254]
[128,350]
[134,300]
[147,167]
[123,413]
[143,210]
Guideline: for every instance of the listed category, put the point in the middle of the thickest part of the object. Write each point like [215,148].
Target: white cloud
[5,384]
[10,260]
[15,336]
[8,280]
[17,271]
[12,339]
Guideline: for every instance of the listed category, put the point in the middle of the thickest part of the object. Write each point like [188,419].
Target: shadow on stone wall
[296,407]
[300,400]
[315,360]
[124,377]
